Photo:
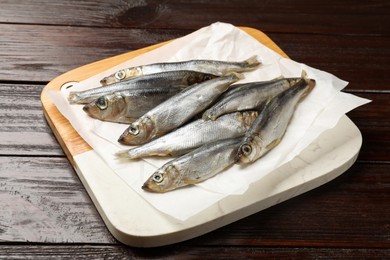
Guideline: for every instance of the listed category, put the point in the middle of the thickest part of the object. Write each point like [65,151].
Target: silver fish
[194,167]
[193,135]
[163,79]
[176,111]
[269,127]
[206,66]
[126,106]
[248,96]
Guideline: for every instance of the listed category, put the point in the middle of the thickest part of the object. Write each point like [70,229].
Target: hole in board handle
[69,84]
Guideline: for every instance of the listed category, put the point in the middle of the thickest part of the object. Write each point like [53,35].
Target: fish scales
[248,96]
[193,135]
[195,166]
[269,127]
[128,105]
[176,111]
[163,79]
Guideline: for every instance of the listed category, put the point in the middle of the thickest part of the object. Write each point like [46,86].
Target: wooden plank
[362,61]
[375,130]
[23,129]
[41,53]
[327,17]
[42,200]
[350,211]
[182,252]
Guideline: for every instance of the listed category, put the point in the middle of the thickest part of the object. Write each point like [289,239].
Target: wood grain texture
[41,53]
[326,216]
[23,130]
[42,200]
[375,127]
[45,212]
[362,61]
[53,50]
[183,252]
[326,17]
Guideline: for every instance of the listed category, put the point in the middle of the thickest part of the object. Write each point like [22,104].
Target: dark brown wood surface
[45,211]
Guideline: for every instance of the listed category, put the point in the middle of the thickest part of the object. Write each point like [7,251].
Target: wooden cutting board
[135,222]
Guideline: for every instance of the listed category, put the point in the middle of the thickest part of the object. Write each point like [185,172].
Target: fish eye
[246,149]
[101,103]
[133,129]
[158,177]
[120,74]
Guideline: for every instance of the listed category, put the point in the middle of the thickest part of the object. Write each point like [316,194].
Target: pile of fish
[192,110]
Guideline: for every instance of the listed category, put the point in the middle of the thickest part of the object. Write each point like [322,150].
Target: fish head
[108,80]
[116,77]
[106,107]
[113,78]
[164,179]
[138,132]
[249,151]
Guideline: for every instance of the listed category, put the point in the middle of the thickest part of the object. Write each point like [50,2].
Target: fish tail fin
[304,75]
[252,62]
[310,82]
[122,154]
[235,75]
[127,154]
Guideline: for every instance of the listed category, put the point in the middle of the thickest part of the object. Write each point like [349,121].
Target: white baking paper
[319,111]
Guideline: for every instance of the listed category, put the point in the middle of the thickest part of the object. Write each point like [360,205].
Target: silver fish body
[269,127]
[128,105]
[248,96]
[195,166]
[176,111]
[163,79]
[193,135]
[214,67]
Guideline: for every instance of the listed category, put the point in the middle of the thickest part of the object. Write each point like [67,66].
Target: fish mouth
[147,186]
[90,110]
[104,81]
[242,159]
[130,135]
[130,139]
[124,138]
[86,108]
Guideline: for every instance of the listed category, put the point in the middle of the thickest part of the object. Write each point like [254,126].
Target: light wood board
[135,222]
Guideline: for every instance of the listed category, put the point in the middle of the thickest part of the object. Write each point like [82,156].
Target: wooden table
[45,211]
